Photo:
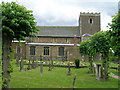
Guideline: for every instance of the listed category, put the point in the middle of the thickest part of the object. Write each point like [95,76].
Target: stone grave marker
[49,65]
[29,64]
[98,71]
[69,70]
[21,65]
[41,65]
[35,62]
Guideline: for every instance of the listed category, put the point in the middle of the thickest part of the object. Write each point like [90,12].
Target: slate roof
[58,31]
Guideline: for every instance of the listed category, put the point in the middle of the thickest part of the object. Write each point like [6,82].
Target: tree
[18,23]
[100,44]
[114,33]
[86,49]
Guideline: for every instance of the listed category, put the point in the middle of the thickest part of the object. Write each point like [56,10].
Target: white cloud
[66,12]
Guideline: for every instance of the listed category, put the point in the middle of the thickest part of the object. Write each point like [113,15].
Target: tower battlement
[90,13]
[89,23]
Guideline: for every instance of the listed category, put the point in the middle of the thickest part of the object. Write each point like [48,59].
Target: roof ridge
[57,26]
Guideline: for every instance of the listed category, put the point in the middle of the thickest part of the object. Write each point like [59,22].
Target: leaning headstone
[21,65]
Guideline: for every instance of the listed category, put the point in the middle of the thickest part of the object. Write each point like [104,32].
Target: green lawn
[57,78]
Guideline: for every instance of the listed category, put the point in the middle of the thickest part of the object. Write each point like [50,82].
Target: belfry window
[61,51]
[32,50]
[46,50]
[90,20]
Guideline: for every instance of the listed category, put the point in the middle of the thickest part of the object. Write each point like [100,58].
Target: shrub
[77,63]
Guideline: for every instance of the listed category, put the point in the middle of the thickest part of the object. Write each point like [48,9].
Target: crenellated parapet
[90,13]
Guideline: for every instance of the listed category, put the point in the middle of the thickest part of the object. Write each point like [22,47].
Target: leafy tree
[18,23]
[100,44]
[115,34]
[86,49]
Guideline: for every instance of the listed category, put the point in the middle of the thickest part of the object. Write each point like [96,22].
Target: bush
[77,63]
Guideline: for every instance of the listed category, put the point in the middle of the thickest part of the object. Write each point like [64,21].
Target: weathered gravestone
[29,64]
[41,65]
[98,71]
[94,68]
[52,64]
[49,65]
[21,65]
[69,70]
[17,60]
[33,63]
[36,62]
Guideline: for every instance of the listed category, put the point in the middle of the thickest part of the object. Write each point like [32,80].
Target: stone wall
[54,40]
[69,51]
[85,26]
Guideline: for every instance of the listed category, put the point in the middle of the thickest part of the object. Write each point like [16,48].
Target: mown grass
[57,78]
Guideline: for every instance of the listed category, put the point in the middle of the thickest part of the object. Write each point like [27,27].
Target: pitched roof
[58,31]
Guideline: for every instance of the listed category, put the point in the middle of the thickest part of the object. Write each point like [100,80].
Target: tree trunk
[105,65]
[106,69]
[6,59]
[91,65]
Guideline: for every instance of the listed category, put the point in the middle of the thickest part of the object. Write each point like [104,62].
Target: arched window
[32,50]
[46,50]
[18,49]
[61,51]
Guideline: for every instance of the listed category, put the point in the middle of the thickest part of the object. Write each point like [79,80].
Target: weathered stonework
[55,37]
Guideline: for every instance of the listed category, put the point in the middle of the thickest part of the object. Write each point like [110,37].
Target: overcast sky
[66,12]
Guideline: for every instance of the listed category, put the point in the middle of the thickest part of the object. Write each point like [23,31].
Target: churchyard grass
[57,78]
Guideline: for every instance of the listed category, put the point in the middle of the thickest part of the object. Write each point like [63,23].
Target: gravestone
[49,65]
[21,65]
[94,68]
[17,60]
[69,70]
[98,71]
[35,62]
[41,65]
[29,64]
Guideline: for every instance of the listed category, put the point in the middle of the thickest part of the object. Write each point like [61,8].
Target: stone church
[58,42]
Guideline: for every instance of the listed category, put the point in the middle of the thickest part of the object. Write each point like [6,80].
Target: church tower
[89,23]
